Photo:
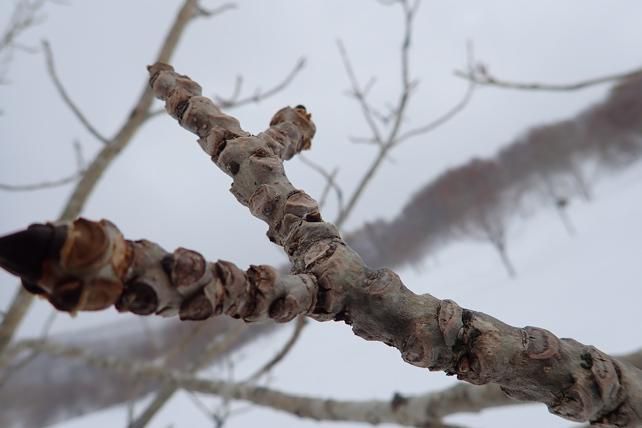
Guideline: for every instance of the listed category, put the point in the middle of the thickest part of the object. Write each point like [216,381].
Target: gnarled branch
[88,265]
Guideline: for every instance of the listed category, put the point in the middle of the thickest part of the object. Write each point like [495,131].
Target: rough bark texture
[94,267]
[420,227]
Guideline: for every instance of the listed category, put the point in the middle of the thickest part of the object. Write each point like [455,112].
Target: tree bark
[95,267]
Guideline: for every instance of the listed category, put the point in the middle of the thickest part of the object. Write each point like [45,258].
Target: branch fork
[329,281]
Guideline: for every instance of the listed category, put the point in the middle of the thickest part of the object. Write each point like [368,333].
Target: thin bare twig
[51,183]
[330,178]
[44,334]
[445,117]
[41,185]
[236,101]
[80,158]
[202,11]
[480,76]
[213,351]
[65,96]
[397,113]
[25,15]
[407,85]
[368,411]
[359,94]
[279,356]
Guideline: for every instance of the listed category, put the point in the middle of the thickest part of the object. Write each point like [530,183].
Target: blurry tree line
[549,165]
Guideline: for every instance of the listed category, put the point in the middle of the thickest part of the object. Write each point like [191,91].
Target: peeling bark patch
[264,202]
[196,308]
[100,294]
[138,298]
[66,296]
[188,267]
[541,344]
[86,245]
[219,146]
[181,107]
[450,321]
[587,361]
[301,205]
[412,351]
[606,377]
[233,167]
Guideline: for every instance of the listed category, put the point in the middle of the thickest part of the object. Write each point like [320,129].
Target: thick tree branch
[90,266]
[403,244]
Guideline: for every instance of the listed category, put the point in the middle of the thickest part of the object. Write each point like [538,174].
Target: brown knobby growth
[329,281]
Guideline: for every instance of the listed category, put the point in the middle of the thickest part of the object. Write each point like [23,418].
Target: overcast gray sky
[165,189]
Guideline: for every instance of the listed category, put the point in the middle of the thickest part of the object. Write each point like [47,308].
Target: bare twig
[25,15]
[65,96]
[332,178]
[235,100]
[80,165]
[399,110]
[211,353]
[359,94]
[208,13]
[400,409]
[80,159]
[431,126]
[372,411]
[331,182]
[44,334]
[479,75]
[41,185]
[279,356]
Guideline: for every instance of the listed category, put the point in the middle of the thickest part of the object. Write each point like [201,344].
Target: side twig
[65,96]
[279,356]
[480,76]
